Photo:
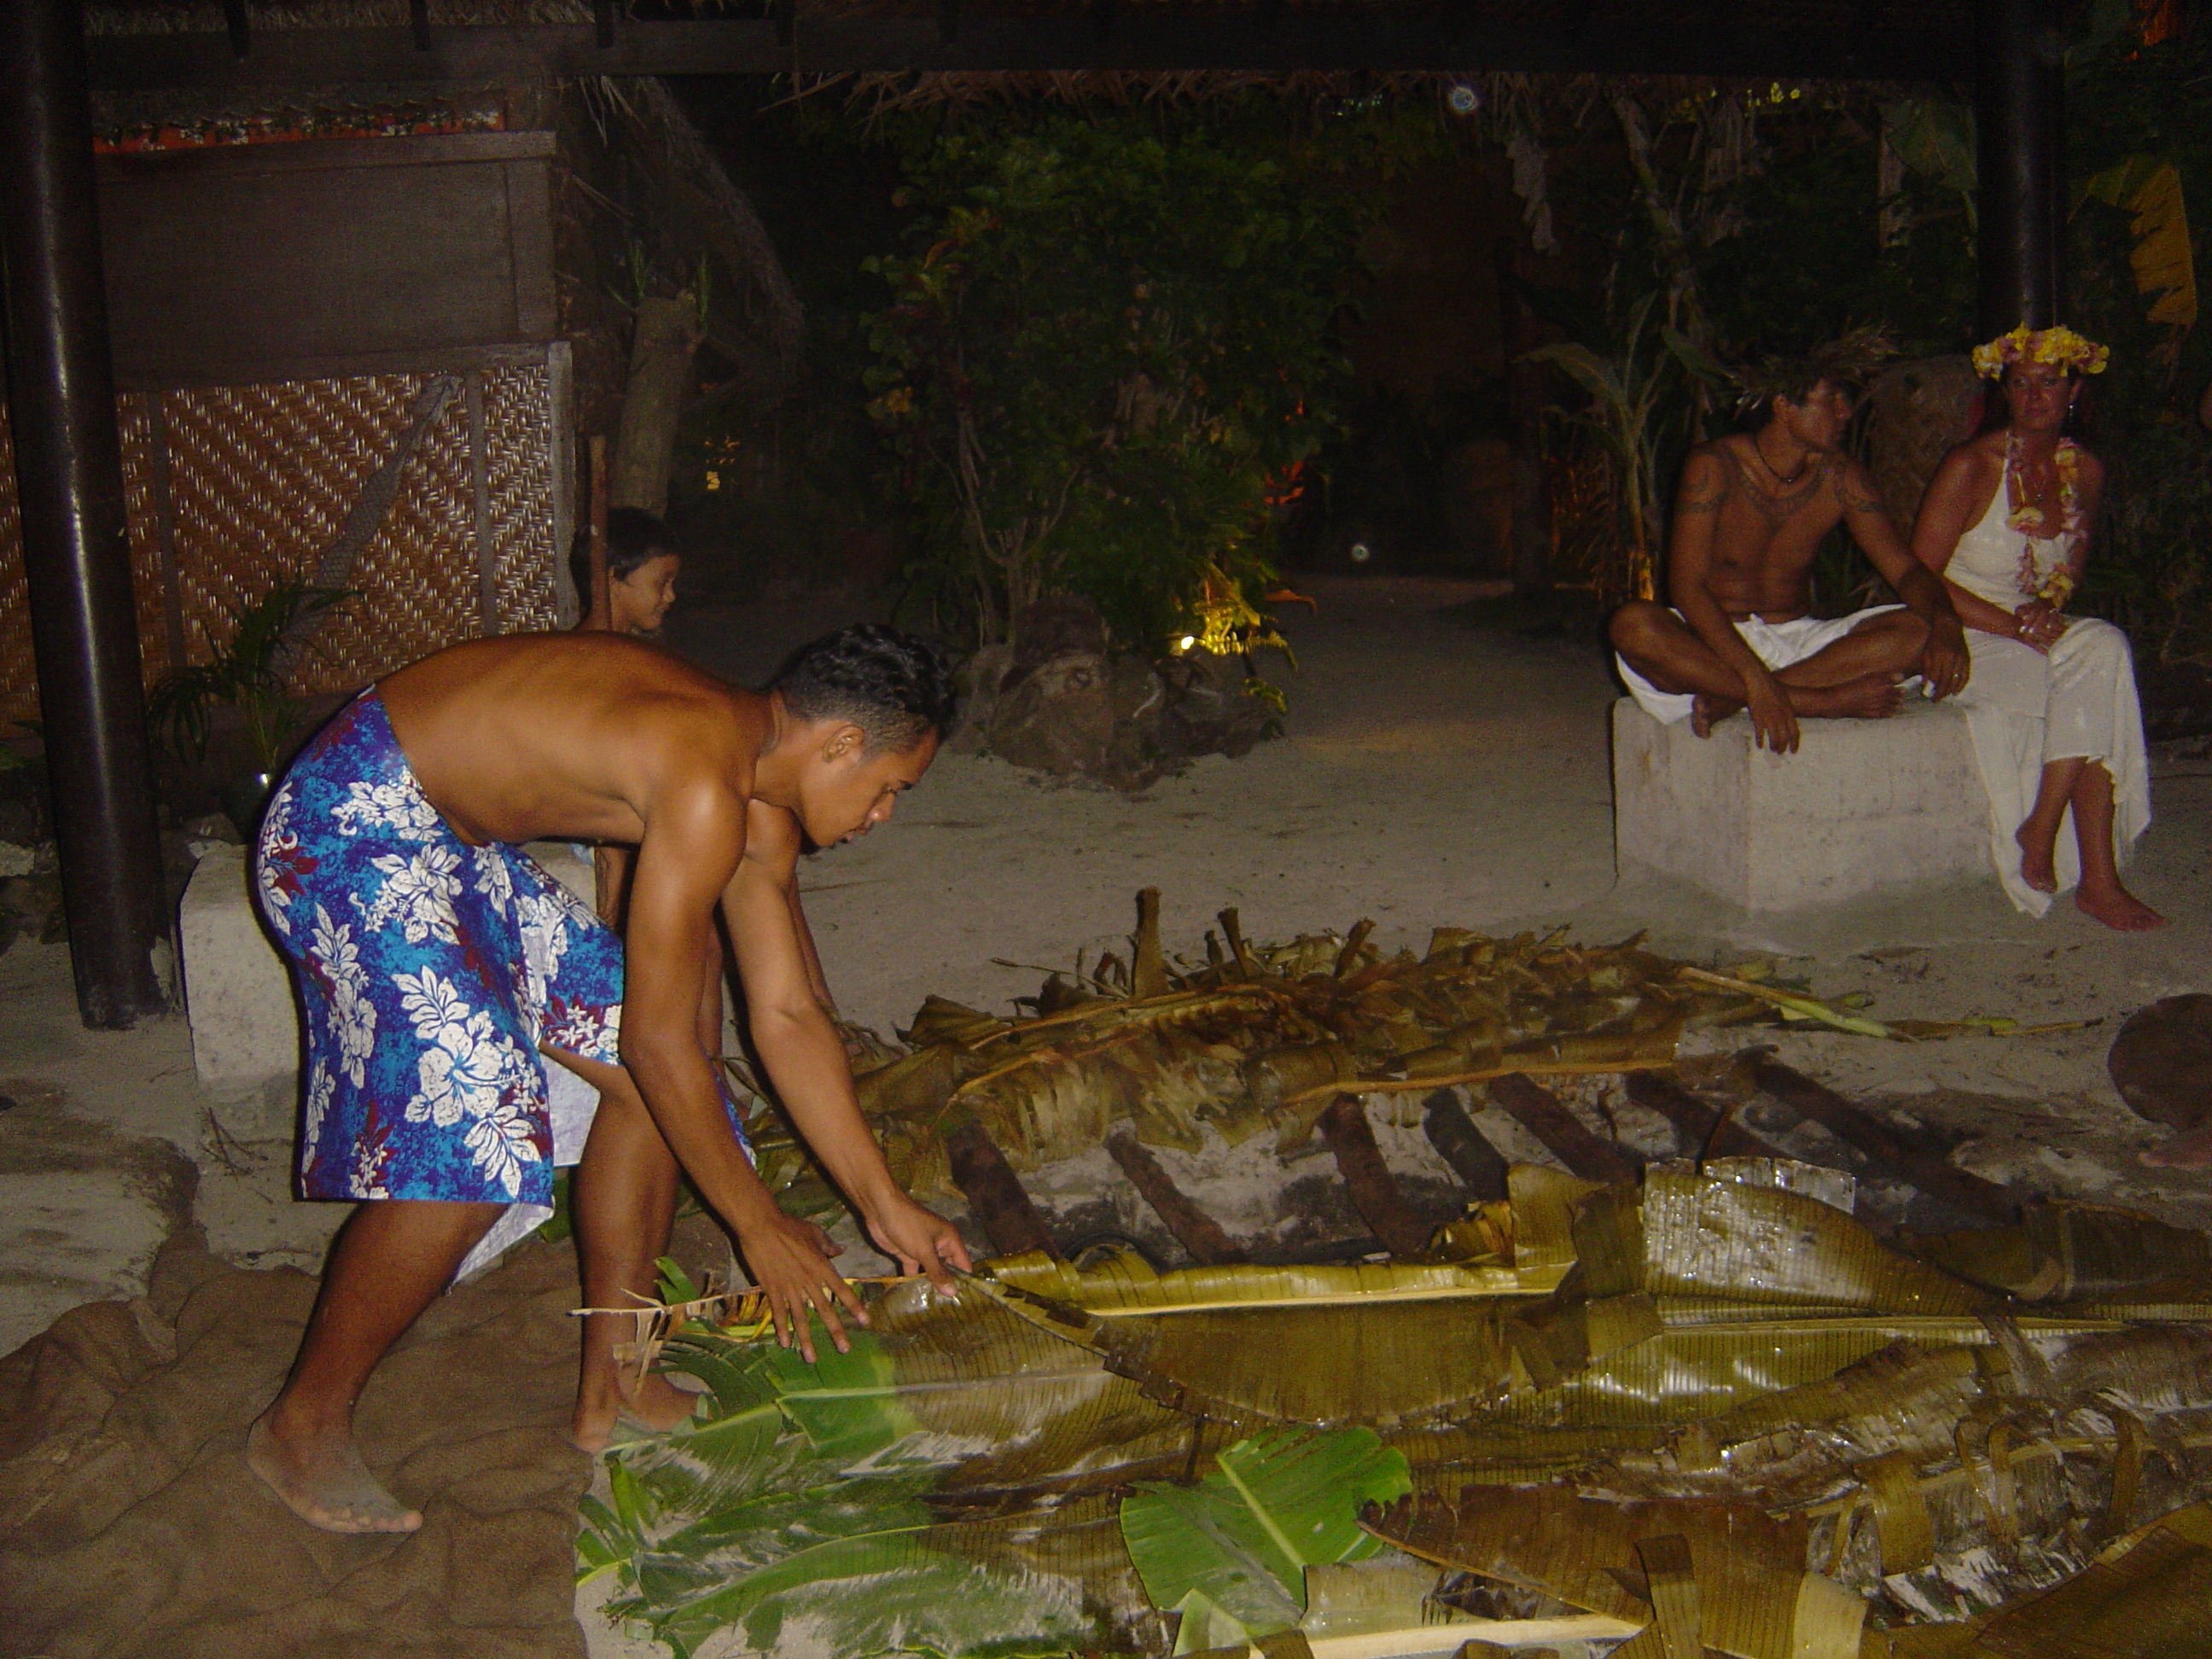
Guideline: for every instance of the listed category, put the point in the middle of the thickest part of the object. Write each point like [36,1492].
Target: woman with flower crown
[2051,704]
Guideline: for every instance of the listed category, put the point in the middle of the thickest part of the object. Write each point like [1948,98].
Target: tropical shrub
[1108,350]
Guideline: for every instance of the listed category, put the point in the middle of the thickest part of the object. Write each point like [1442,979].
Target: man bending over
[436,963]
[1748,517]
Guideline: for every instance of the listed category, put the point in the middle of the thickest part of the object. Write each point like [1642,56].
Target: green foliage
[1109,345]
[1643,405]
[2151,568]
[778,1511]
[1229,1553]
[248,673]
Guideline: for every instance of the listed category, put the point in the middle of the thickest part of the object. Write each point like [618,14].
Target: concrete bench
[238,992]
[1863,806]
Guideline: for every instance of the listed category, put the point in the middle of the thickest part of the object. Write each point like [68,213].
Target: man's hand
[2040,624]
[923,1242]
[789,1260]
[1944,662]
[1773,721]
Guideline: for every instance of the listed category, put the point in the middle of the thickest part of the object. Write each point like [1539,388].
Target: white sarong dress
[2026,709]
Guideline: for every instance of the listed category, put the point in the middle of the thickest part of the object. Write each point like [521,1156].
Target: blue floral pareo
[429,971]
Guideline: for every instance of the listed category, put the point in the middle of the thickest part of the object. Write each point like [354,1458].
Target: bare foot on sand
[657,1405]
[324,1482]
[1707,711]
[2117,907]
[2037,856]
[2190,1151]
[1868,697]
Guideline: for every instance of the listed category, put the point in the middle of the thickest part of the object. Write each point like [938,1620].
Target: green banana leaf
[1233,1550]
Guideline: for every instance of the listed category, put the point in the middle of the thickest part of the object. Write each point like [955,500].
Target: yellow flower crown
[2057,345]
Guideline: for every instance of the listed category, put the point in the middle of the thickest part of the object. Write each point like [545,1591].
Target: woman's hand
[789,1260]
[2039,624]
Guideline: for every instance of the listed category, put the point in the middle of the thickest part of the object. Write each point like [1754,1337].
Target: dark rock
[2161,1061]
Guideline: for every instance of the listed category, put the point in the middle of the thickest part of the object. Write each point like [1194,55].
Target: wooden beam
[1698,1123]
[1538,1111]
[1460,1144]
[1243,39]
[1374,1192]
[1199,1233]
[1851,1123]
[994,1193]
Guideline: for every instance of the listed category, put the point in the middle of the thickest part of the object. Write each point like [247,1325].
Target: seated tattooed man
[439,969]
[1751,512]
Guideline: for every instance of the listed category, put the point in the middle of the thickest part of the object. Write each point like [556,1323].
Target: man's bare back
[536,736]
[1749,517]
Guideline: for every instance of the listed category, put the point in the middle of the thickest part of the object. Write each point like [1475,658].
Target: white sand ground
[1429,774]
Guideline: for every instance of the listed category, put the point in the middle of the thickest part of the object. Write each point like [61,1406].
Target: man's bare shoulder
[1708,477]
[529,735]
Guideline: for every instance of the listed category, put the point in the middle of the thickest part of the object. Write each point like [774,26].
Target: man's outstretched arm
[806,1059]
[1944,663]
[1696,529]
[693,838]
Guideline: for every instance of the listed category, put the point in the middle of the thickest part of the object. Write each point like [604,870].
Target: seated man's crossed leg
[1852,674]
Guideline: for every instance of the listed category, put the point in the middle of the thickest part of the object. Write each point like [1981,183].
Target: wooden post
[1374,1192]
[76,554]
[2018,88]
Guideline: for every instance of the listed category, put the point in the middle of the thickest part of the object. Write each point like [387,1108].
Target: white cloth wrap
[2024,710]
[1776,644]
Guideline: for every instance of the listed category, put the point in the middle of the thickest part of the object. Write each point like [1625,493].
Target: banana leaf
[1758,1601]
[1232,1551]
[963,1386]
[2063,1250]
[1378,1344]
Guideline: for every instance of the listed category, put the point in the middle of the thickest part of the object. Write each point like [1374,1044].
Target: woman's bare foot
[656,1404]
[1707,711]
[2038,854]
[323,1480]
[2191,1151]
[1868,697]
[2117,907]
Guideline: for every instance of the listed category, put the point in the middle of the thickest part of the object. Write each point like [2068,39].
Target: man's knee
[1636,627]
[1904,634]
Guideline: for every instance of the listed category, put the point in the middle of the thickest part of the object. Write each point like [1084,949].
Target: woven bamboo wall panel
[261,479]
[519,458]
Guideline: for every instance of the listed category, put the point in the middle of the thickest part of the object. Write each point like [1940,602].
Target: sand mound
[128,1524]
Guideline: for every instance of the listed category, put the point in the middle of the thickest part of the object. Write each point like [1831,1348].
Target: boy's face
[845,790]
[643,598]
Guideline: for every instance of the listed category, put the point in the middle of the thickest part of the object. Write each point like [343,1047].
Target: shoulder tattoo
[1707,494]
[1856,491]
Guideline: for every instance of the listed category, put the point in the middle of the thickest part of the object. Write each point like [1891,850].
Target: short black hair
[895,687]
[634,535]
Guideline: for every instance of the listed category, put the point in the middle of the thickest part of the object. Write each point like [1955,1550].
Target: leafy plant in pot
[247,675]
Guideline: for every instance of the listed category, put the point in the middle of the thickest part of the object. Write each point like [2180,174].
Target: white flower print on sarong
[319,1089]
[493,880]
[399,808]
[472,1069]
[282,865]
[544,926]
[419,889]
[330,948]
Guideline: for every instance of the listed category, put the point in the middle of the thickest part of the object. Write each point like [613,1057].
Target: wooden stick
[1538,1111]
[1374,1192]
[995,1194]
[1196,1231]
[1850,1122]
[1705,1132]
[1460,1144]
